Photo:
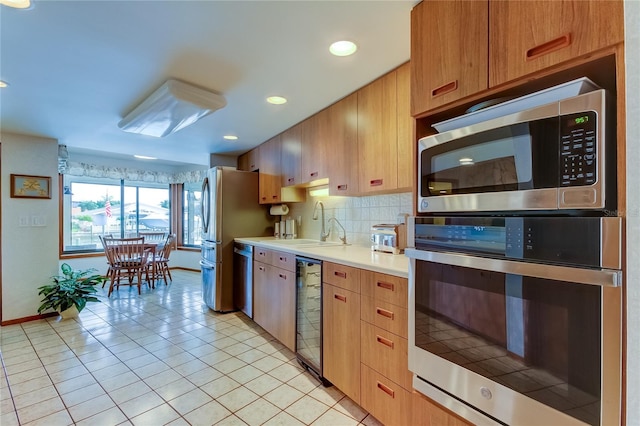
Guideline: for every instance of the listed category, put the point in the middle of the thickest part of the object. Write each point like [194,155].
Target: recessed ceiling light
[3,84]
[18,4]
[343,48]
[144,157]
[230,137]
[276,100]
[466,161]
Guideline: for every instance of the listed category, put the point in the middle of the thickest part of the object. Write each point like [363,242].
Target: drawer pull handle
[313,174]
[340,274]
[261,268]
[274,196]
[384,341]
[291,180]
[340,297]
[445,88]
[384,313]
[375,182]
[253,166]
[386,389]
[548,47]
[342,187]
[264,198]
[283,276]
[386,286]
[283,259]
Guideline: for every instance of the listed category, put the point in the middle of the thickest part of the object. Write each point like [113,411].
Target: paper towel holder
[279,210]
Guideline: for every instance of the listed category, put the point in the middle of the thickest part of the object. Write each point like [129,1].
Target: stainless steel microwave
[555,157]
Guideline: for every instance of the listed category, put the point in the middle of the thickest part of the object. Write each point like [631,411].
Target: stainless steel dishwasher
[243,277]
[309,316]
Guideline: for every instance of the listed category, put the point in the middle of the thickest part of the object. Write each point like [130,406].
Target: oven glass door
[541,338]
[516,157]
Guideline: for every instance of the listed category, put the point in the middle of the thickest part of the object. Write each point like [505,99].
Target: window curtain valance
[134,175]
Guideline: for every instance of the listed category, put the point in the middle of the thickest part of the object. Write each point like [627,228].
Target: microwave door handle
[600,277]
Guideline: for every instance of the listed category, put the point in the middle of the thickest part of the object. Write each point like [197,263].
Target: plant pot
[72,312]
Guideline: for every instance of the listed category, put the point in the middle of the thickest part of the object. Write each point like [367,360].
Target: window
[94,207]
[192,214]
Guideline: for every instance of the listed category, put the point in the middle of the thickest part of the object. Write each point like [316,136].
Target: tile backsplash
[356,214]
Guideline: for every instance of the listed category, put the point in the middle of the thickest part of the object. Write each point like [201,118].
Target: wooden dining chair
[107,254]
[129,258]
[162,259]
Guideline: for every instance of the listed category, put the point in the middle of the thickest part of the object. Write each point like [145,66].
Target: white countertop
[350,255]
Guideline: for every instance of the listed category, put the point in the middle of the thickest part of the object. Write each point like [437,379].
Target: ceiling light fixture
[18,4]
[343,48]
[230,137]
[466,161]
[276,100]
[144,157]
[173,106]
[320,191]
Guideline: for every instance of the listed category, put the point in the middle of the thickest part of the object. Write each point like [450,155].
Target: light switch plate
[38,220]
[23,221]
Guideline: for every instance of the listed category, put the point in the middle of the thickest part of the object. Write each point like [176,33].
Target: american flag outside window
[107,208]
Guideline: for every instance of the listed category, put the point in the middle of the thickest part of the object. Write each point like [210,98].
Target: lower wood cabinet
[341,339]
[386,353]
[386,400]
[426,412]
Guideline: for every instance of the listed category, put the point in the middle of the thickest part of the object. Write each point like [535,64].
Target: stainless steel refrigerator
[230,209]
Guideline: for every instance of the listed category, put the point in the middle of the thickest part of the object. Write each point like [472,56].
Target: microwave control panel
[578,153]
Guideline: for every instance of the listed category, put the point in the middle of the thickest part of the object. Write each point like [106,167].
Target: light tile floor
[159,358]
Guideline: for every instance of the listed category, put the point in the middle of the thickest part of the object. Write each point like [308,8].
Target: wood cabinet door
[528,36]
[284,307]
[314,155]
[449,51]
[262,302]
[341,339]
[342,146]
[406,124]
[427,412]
[269,179]
[386,400]
[291,156]
[377,135]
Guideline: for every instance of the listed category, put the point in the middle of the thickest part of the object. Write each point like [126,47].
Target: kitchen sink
[303,242]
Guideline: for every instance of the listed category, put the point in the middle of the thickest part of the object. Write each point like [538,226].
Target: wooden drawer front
[386,353]
[388,288]
[427,412]
[342,276]
[385,315]
[262,255]
[385,400]
[283,260]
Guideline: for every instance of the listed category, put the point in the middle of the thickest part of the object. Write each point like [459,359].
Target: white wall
[632,55]
[357,215]
[29,254]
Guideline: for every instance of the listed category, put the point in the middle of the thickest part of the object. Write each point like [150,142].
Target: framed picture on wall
[24,186]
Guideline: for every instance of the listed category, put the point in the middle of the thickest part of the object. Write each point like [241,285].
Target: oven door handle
[600,277]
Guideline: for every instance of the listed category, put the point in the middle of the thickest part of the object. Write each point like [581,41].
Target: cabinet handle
[384,341]
[386,286]
[283,276]
[384,313]
[261,268]
[342,187]
[375,182]
[340,274]
[253,166]
[291,180]
[386,389]
[445,88]
[283,259]
[340,297]
[274,196]
[264,198]
[313,174]
[548,47]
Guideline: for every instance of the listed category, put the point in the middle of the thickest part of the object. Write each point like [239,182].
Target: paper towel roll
[280,210]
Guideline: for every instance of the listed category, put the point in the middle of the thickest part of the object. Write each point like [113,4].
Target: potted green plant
[69,293]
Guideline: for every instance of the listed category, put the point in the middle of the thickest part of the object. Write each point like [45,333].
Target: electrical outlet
[23,221]
[38,220]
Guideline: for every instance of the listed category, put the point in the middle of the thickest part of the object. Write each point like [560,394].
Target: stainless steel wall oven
[517,320]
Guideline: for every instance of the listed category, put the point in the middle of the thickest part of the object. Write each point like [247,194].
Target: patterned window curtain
[134,175]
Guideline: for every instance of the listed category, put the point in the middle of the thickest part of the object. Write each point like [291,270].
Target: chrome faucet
[323,234]
[344,233]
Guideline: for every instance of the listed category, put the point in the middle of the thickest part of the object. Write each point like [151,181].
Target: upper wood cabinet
[269,180]
[526,37]
[406,129]
[342,146]
[291,156]
[377,135]
[449,51]
[314,156]
[249,160]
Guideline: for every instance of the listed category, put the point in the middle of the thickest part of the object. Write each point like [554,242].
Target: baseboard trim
[185,269]
[27,319]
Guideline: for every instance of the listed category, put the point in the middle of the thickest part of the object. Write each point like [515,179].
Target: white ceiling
[75,68]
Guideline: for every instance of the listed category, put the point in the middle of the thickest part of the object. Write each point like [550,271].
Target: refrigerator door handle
[204,205]
[207,265]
